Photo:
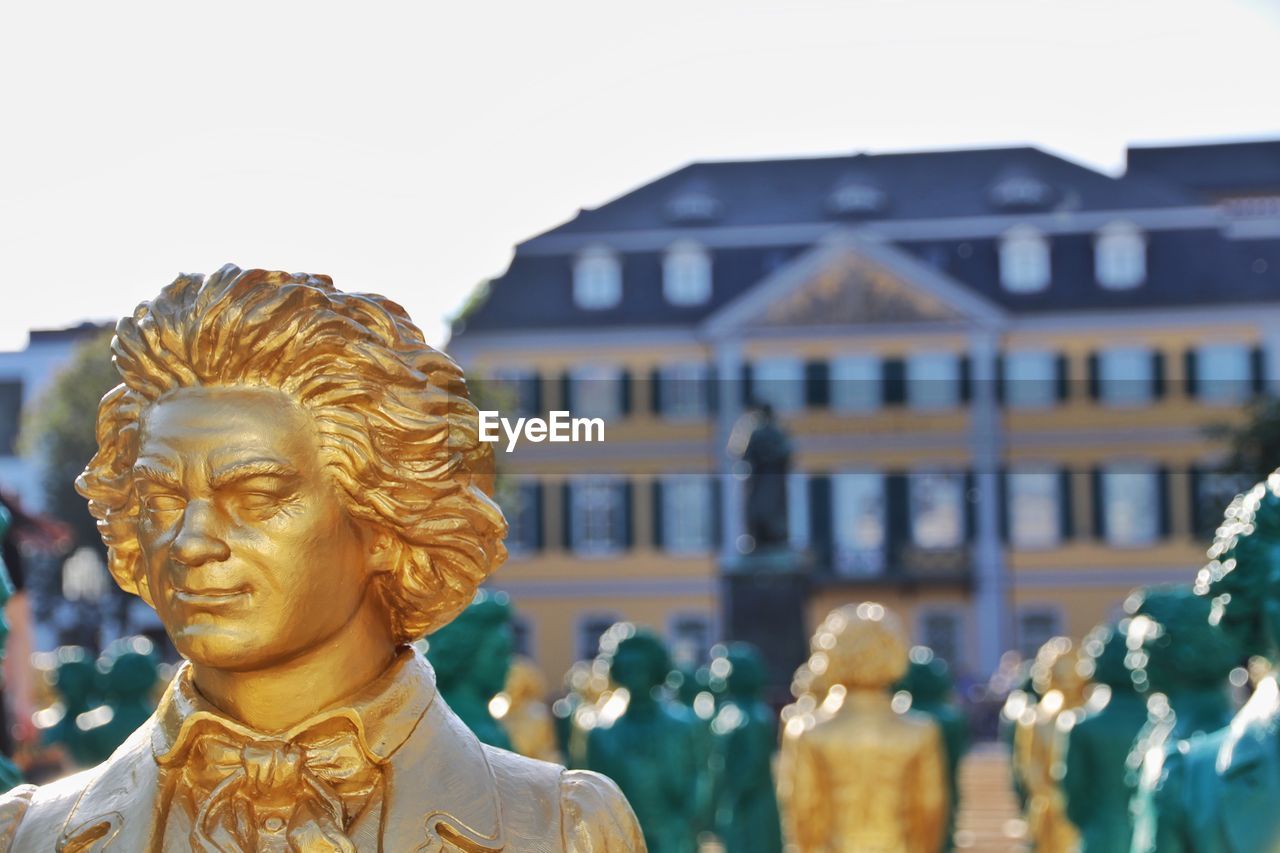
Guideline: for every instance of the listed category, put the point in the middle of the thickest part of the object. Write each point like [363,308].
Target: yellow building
[996,367]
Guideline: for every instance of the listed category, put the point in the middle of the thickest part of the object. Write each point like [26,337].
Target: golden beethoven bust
[293,479]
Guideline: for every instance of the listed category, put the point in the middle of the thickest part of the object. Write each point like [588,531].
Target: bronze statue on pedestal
[293,479]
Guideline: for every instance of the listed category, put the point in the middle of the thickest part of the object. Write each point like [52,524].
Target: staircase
[989,819]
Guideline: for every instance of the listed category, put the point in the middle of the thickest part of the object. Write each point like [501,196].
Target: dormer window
[597,278]
[1120,256]
[686,274]
[856,198]
[1024,260]
[693,204]
[1020,192]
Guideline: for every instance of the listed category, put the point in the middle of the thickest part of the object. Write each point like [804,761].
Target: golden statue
[1037,745]
[520,709]
[862,777]
[293,479]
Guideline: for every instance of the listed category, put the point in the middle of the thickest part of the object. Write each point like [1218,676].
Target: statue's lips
[209,597]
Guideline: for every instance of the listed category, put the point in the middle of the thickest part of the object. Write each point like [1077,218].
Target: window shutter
[624,393]
[566,516]
[1002,495]
[820,538]
[628,524]
[897,516]
[817,391]
[711,389]
[1162,501]
[1063,376]
[655,391]
[893,381]
[1066,514]
[566,391]
[1157,375]
[970,507]
[748,393]
[538,540]
[657,513]
[717,500]
[1095,378]
[1197,519]
[999,373]
[1099,511]
[965,372]
[1190,381]
[1258,363]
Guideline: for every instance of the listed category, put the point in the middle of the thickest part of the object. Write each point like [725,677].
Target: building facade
[997,368]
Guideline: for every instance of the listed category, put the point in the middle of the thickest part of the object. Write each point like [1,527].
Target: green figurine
[9,773]
[75,680]
[1187,660]
[472,656]
[128,673]
[1096,742]
[647,744]
[692,687]
[1218,792]
[745,734]
[928,682]
[1020,702]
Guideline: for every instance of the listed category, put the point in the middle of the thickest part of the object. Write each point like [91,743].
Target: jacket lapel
[120,808]
[441,793]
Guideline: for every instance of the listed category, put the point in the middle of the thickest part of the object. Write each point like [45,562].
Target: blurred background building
[998,368]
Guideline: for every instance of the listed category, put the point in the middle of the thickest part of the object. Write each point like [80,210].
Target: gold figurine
[1038,745]
[861,777]
[522,711]
[293,479]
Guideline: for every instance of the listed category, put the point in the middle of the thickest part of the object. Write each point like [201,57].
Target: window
[1120,256]
[591,627]
[1035,519]
[596,392]
[683,391]
[522,505]
[1214,491]
[937,509]
[1131,505]
[1030,379]
[522,635]
[943,632]
[859,529]
[597,279]
[10,407]
[1224,373]
[1125,376]
[1037,626]
[516,391]
[779,382]
[686,513]
[690,635]
[855,383]
[686,274]
[798,510]
[598,516]
[933,380]
[1024,260]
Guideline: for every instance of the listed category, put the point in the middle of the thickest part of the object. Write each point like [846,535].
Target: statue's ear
[383,547]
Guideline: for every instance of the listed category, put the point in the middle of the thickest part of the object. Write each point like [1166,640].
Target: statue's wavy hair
[397,431]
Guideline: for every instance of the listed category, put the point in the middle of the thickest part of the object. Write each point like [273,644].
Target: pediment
[850,290]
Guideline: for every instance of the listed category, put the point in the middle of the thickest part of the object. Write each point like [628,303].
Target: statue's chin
[224,647]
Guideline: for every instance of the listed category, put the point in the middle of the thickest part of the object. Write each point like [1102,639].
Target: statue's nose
[199,542]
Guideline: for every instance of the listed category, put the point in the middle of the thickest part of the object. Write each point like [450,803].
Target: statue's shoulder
[31,813]
[540,800]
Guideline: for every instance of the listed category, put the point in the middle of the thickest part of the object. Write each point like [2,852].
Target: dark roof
[86,329]
[1216,169]
[919,185]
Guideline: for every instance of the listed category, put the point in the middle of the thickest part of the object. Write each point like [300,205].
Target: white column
[991,588]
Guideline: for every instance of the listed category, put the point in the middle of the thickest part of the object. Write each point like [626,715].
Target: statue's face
[249,554]
[632,667]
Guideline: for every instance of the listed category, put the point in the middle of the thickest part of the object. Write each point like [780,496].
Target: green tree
[1253,445]
[61,426]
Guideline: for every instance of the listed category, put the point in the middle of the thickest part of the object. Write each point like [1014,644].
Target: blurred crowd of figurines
[1160,731]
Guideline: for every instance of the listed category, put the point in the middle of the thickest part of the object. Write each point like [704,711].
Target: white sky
[405,148]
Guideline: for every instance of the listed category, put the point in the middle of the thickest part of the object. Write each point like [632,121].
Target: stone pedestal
[765,596]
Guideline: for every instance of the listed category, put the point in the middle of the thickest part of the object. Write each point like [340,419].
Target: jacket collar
[440,786]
